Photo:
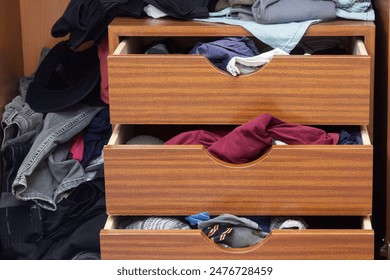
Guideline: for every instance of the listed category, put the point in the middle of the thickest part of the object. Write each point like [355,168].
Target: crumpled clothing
[182,9]
[232,231]
[220,52]
[155,223]
[249,141]
[355,9]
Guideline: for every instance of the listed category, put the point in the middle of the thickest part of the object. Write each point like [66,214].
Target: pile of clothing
[52,202]
[226,230]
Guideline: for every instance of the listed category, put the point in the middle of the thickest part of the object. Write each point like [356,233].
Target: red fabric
[77,147]
[252,139]
[103,53]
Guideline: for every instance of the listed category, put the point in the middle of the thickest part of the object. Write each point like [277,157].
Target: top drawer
[188,89]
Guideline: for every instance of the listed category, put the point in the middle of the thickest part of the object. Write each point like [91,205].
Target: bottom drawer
[354,240]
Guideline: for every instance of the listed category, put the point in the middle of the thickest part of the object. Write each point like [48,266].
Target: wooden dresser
[162,95]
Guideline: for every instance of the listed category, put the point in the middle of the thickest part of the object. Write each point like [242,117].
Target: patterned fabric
[155,223]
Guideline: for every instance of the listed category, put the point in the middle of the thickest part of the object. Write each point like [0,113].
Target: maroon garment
[103,53]
[252,139]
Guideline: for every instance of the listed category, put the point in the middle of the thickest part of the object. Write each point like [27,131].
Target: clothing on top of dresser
[233,231]
[154,223]
[355,9]
[182,9]
[86,20]
[241,12]
[245,65]
[48,161]
[219,52]
[217,5]
[153,12]
[250,140]
[283,11]
[284,35]
[241,9]
[288,223]
[144,140]
[241,2]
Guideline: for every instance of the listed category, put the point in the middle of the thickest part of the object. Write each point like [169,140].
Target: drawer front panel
[187,89]
[288,180]
[280,244]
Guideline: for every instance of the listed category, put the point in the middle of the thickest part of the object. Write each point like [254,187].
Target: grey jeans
[18,119]
[47,173]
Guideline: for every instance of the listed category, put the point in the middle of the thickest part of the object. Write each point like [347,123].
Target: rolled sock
[245,65]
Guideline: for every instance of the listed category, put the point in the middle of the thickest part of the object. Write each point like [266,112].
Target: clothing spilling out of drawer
[240,55]
[251,140]
[233,231]
[53,196]
[226,229]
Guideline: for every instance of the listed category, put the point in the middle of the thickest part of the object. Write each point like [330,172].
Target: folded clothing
[283,11]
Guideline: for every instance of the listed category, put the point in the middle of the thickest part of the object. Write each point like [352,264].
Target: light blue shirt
[284,36]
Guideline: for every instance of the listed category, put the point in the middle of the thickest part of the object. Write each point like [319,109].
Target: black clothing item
[64,78]
[76,224]
[20,221]
[73,228]
[182,9]
[87,20]
[96,135]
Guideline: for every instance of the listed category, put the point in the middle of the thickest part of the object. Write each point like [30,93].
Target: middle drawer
[286,180]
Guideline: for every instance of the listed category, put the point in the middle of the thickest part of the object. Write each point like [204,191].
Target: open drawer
[349,242]
[286,180]
[189,89]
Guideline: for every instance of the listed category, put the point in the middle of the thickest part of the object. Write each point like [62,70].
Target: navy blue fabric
[350,138]
[220,52]
[96,136]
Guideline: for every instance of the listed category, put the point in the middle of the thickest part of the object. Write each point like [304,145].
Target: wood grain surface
[321,244]
[187,89]
[287,180]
